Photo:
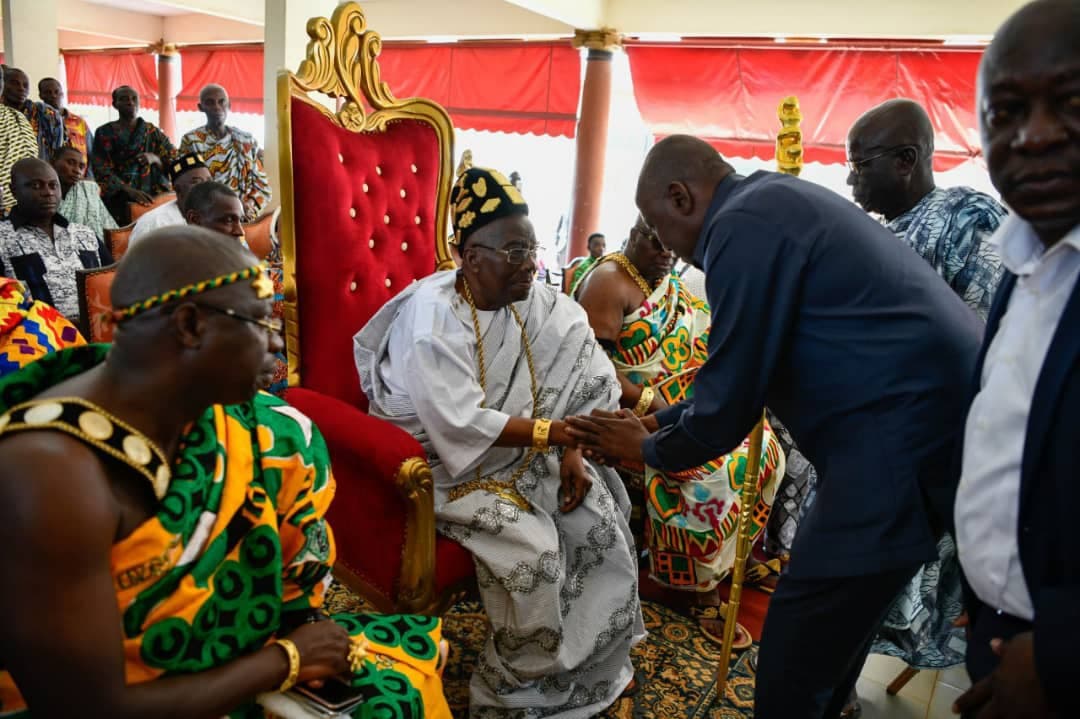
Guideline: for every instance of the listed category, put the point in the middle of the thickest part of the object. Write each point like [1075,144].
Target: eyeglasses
[515,256]
[270,324]
[855,165]
[646,232]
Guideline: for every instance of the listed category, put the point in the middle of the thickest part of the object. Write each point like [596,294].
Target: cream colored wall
[575,13]
[124,26]
[192,29]
[468,18]
[30,39]
[837,18]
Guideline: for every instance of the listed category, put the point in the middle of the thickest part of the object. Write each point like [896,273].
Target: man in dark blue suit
[1020,484]
[861,350]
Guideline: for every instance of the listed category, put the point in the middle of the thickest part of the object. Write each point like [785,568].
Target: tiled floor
[929,695]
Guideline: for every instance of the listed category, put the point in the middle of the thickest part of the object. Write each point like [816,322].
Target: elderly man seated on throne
[656,333]
[482,365]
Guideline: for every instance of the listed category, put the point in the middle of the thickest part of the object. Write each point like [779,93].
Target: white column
[285,42]
[30,39]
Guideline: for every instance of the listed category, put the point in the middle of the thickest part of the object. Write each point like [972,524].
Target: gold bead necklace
[507,489]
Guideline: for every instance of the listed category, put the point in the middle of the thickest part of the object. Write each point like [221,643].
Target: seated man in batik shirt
[657,334]
[482,365]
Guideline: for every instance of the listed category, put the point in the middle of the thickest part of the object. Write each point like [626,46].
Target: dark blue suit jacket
[859,347]
[1048,531]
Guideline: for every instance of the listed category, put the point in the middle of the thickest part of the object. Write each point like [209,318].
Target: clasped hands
[612,438]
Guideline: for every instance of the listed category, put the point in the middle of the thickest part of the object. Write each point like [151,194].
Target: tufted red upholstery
[364,224]
[379,511]
[343,261]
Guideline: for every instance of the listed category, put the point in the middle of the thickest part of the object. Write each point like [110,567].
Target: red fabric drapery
[92,76]
[501,87]
[728,94]
[239,69]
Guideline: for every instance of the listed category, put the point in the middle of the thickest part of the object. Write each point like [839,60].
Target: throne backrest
[365,192]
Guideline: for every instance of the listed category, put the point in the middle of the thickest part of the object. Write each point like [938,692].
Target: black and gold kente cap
[184,163]
[479,197]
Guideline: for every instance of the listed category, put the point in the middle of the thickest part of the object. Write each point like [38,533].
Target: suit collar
[1061,360]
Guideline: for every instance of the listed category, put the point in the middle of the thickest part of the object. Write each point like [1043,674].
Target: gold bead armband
[541,431]
[644,401]
[294,664]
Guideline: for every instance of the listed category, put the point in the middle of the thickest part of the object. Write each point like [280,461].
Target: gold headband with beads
[264,289]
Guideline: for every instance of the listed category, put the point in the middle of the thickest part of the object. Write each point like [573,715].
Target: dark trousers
[987,625]
[817,635]
[981,660]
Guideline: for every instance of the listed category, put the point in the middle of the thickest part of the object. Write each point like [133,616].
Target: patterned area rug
[676,662]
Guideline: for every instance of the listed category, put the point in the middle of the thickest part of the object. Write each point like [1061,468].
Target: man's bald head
[36,188]
[214,103]
[681,158]
[1042,32]
[175,256]
[675,188]
[890,157]
[1029,118]
[16,87]
[895,122]
[220,342]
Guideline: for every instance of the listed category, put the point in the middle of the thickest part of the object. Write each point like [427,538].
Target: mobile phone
[335,696]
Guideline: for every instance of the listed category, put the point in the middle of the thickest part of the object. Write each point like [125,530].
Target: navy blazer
[1047,531]
[856,344]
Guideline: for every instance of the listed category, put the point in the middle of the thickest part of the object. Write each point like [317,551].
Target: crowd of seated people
[914,354]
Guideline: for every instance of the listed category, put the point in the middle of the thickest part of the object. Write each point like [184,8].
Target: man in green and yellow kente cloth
[656,333]
[170,549]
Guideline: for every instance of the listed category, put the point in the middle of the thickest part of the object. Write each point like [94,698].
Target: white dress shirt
[161,216]
[988,498]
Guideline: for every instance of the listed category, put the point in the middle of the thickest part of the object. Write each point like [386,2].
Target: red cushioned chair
[364,195]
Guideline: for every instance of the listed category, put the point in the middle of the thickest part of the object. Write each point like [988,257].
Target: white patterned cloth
[559,589]
[46,265]
[949,228]
[165,215]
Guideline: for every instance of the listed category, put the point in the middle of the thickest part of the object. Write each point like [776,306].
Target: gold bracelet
[294,664]
[644,401]
[541,430]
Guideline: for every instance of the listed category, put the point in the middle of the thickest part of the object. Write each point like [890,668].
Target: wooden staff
[748,496]
[789,159]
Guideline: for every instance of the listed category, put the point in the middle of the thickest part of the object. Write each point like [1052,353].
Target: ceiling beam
[420,19]
[195,29]
[585,14]
[122,26]
[247,11]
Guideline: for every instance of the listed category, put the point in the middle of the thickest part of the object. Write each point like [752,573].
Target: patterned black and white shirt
[46,266]
[949,228]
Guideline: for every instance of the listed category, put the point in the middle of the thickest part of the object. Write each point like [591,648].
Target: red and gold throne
[365,191]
